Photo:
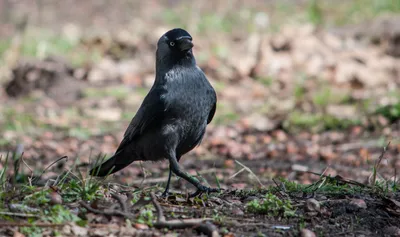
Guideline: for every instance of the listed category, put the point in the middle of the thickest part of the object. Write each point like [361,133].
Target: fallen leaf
[140,226]
[18,234]
[307,233]
[359,203]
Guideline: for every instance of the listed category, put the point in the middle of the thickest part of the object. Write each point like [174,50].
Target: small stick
[18,214]
[123,205]
[202,225]
[164,179]
[50,225]
[144,173]
[338,178]
[30,169]
[18,224]
[59,159]
[251,172]
[372,177]
[159,210]
[235,174]
[378,162]
[106,212]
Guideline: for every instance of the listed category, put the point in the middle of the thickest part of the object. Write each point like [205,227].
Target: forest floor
[305,140]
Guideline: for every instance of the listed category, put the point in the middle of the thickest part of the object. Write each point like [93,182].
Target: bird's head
[177,40]
[175,46]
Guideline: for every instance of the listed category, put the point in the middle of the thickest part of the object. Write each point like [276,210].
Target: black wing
[150,112]
[211,114]
[212,111]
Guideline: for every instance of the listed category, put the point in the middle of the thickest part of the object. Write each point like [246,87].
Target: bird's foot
[165,194]
[203,189]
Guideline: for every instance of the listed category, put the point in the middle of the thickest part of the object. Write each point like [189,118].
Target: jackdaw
[173,117]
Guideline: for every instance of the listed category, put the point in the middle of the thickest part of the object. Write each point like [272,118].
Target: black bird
[173,117]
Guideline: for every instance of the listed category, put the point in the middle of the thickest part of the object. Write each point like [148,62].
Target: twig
[17,162]
[121,202]
[251,172]
[30,169]
[372,177]
[18,214]
[59,159]
[159,210]
[144,173]
[333,201]
[106,212]
[339,179]
[281,186]
[378,162]
[326,169]
[235,174]
[18,224]
[51,225]
[202,225]
[353,146]
[164,179]
[238,224]
[177,206]
[150,181]
[20,208]
[140,203]
[242,222]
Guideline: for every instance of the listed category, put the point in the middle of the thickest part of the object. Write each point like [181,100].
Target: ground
[305,140]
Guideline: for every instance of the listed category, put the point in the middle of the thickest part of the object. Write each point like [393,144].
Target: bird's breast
[189,98]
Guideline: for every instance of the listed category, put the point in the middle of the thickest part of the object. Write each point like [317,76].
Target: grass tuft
[272,206]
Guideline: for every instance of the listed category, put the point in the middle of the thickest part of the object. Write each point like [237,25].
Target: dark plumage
[173,116]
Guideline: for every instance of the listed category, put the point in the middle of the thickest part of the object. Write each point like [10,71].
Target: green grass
[391,112]
[57,214]
[314,12]
[216,23]
[335,187]
[41,43]
[316,122]
[73,187]
[4,45]
[13,120]
[272,206]
[80,133]
[325,96]
[267,81]
[331,12]
[42,47]
[326,186]
[118,92]
[348,12]
[146,215]
[225,114]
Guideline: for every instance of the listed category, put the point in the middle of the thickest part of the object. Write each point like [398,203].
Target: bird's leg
[174,166]
[166,192]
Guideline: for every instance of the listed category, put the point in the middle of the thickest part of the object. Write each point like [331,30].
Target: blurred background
[303,85]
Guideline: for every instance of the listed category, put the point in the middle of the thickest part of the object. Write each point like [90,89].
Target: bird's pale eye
[172,44]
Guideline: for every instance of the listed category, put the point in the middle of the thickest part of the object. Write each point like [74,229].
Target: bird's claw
[203,189]
[165,194]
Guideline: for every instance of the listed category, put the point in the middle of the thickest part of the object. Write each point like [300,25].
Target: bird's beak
[185,44]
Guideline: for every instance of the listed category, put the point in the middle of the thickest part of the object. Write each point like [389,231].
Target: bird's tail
[112,165]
